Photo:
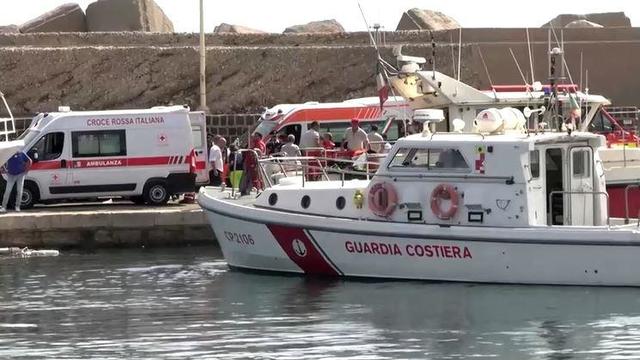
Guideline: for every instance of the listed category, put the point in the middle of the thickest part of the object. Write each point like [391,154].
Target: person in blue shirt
[16,169]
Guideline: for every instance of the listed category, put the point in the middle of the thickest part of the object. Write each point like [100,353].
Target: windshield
[265,127]
[29,135]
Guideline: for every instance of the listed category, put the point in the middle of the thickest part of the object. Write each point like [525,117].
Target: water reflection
[185,303]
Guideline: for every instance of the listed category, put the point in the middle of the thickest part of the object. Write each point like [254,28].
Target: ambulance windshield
[265,127]
[29,135]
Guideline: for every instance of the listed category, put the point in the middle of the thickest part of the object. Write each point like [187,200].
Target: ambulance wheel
[155,193]
[30,195]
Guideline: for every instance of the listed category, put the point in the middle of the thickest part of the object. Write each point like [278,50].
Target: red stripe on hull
[301,250]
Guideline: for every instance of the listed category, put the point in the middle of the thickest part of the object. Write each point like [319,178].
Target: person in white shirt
[375,140]
[215,159]
[290,148]
[356,138]
[311,138]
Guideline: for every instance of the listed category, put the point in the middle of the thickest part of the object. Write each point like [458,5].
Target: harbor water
[186,303]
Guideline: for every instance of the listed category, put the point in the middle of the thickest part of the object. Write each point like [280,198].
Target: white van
[335,118]
[145,155]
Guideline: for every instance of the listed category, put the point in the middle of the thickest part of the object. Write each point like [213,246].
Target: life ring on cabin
[444,192]
[383,199]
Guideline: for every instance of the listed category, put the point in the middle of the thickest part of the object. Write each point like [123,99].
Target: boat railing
[318,168]
[7,125]
[564,193]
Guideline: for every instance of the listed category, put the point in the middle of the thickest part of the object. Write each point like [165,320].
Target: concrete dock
[105,225]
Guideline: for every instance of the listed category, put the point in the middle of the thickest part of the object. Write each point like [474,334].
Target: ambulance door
[50,167]
[581,186]
[199,132]
[99,161]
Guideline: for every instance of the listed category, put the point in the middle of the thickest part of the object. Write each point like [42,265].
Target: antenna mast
[433,55]
[459,51]
[533,78]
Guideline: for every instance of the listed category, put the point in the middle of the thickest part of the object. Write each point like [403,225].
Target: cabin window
[99,143]
[49,147]
[434,159]
[534,163]
[600,124]
[581,165]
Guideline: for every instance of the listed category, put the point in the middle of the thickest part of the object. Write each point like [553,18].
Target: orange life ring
[444,192]
[383,199]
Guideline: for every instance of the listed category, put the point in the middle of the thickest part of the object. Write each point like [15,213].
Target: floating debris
[26,252]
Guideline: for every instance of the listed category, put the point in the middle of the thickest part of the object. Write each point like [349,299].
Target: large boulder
[576,24]
[235,29]
[65,18]
[9,29]
[419,19]
[612,19]
[127,15]
[324,26]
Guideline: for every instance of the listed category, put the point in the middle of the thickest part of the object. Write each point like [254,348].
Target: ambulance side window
[337,130]
[49,147]
[99,143]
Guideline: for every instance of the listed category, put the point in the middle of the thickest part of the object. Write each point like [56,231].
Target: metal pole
[203,66]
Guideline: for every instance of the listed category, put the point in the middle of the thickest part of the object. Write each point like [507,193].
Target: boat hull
[261,239]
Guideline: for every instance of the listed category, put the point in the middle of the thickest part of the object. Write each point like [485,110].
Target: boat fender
[444,192]
[383,199]
[358,199]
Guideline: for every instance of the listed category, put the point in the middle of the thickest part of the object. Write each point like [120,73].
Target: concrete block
[162,236]
[127,15]
[324,26]
[235,29]
[9,29]
[63,239]
[80,220]
[199,235]
[128,238]
[65,18]
[131,220]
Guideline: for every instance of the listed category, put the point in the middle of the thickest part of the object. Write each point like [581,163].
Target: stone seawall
[39,72]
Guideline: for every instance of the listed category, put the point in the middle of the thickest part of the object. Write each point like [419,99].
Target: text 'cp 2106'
[430,251]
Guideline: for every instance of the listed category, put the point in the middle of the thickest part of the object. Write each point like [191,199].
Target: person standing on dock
[215,159]
[16,168]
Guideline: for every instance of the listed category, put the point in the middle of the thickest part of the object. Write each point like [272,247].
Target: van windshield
[29,135]
[265,127]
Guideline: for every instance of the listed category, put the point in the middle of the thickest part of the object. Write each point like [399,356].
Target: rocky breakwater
[39,72]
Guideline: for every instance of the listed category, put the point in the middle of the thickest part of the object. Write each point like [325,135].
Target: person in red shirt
[258,144]
[327,141]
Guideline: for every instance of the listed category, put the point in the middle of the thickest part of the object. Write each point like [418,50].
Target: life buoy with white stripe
[383,199]
[444,192]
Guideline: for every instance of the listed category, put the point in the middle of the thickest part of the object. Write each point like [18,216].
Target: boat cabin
[497,178]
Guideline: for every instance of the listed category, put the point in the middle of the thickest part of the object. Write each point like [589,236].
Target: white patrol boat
[495,205]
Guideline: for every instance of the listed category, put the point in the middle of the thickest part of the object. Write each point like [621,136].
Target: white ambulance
[336,117]
[146,155]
